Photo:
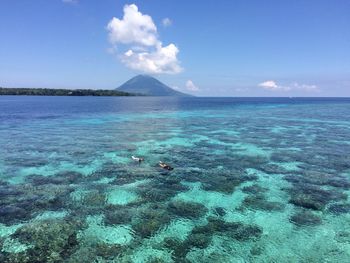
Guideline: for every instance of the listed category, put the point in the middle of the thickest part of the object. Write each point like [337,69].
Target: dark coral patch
[236,230]
[115,215]
[305,218]
[107,251]
[156,195]
[162,189]
[62,178]
[94,198]
[49,240]
[198,240]
[339,208]
[179,250]
[320,179]
[12,213]
[343,236]
[220,211]
[313,197]
[254,189]
[187,209]
[225,182]
[259,202]
[150,220]
[273,169]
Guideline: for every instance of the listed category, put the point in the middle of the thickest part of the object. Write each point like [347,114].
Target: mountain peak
[148,85]
[143,76]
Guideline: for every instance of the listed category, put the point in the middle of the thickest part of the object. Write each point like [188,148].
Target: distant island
[150,86]
[63,92]
[140,85]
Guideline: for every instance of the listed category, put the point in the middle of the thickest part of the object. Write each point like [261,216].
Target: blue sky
[207,48]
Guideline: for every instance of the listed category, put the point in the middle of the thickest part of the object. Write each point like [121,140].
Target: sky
[206,48]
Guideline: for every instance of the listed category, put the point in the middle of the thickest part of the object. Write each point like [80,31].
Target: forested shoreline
[62,92]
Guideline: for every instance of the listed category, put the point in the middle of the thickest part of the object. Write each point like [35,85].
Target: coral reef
[225,182]
[48,240]
[150,220]
[339,208]
[259,202]
[189,210]
[118,214]
[305,218]
[312,196]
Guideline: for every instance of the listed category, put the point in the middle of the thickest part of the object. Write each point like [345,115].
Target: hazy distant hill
[147,85]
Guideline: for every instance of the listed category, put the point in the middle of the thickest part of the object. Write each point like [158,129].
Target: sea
[253,179]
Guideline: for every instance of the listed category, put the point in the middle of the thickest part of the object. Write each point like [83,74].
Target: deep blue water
[254,179]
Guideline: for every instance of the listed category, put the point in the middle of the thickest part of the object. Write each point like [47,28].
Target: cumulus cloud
[191,86]
[269,85]
[145,52]
[166,22]
[162,60]
[135,27]
[273,86]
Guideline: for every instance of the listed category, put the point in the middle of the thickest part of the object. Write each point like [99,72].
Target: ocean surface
[254,179]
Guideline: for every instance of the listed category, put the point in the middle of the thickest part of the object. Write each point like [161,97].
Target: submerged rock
[305,218]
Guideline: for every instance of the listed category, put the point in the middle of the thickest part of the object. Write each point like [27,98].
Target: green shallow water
[264,180]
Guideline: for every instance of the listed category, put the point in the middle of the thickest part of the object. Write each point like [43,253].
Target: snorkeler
[165,166]
[137,159]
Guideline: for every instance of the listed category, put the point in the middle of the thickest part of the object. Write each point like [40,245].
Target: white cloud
[269,85]
[133,28]
[273,86]
[304,87]
[190,86]
[145,52]
[162,60]
[166,22]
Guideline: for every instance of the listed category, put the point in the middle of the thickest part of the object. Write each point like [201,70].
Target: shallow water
[255,180]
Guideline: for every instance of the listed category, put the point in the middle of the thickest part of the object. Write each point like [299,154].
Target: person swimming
[165,166]
[137,159]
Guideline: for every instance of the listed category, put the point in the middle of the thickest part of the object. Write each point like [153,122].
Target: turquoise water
[254,180]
